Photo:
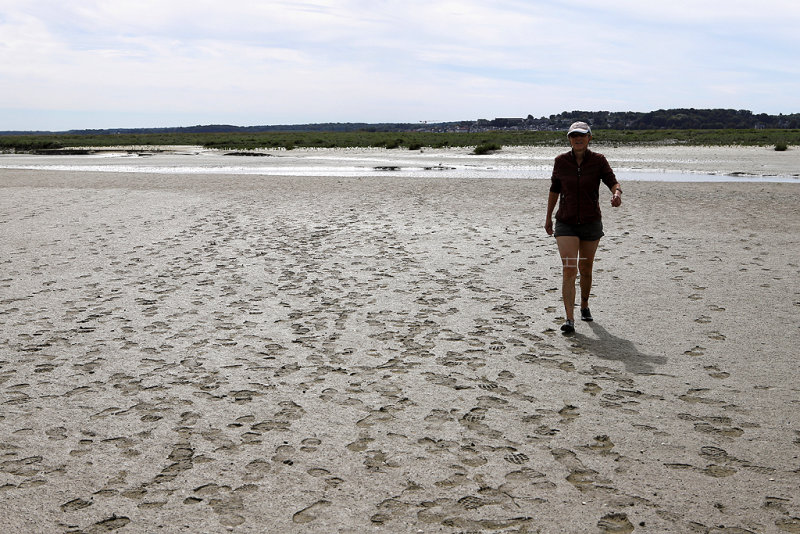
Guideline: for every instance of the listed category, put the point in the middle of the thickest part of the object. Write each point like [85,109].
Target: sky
[94,64]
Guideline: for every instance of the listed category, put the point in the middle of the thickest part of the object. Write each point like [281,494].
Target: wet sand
[248,354]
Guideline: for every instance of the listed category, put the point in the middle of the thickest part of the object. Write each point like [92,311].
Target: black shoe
[568,327]
[586,315]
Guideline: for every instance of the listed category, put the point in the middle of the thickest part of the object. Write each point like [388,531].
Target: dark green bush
[29,143]
[486,148]
[780,146]
[394,143]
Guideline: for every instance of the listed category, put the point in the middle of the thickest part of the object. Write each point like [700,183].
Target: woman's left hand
[616,201]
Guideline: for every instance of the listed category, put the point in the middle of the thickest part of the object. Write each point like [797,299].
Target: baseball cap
[580,127]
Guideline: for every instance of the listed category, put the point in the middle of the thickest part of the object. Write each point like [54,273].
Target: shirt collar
[586,155]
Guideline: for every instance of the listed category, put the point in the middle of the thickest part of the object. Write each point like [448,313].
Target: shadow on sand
[610,347]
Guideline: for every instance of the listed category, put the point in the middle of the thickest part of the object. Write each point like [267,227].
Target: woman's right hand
[548,226]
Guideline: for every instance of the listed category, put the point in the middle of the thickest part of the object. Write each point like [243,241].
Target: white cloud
[283,61]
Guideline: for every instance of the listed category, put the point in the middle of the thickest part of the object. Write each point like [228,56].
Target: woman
[576,182]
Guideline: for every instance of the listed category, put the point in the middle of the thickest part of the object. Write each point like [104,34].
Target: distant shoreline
[402,140]
[633,162]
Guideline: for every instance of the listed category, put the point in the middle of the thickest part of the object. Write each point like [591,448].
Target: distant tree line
[662,119]
[679,119]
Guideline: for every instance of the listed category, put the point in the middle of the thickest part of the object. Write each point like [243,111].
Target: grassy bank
[406,140]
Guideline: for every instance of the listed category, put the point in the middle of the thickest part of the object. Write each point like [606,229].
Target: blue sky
[156,63]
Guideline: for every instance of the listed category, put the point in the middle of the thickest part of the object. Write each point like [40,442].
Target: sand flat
[233,353]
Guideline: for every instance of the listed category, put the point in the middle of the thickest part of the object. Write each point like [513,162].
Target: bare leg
[568,248]
[587,250]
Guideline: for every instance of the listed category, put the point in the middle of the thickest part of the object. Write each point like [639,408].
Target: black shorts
[585,232]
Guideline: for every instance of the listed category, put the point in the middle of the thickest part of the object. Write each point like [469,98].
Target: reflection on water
[363,164]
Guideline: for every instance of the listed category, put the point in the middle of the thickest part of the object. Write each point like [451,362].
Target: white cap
[580,127]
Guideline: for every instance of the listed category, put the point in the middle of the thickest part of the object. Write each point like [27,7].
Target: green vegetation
[780,146]
[681,118]
[486,148]
[409,140]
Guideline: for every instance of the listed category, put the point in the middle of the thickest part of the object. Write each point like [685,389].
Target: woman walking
[575,186]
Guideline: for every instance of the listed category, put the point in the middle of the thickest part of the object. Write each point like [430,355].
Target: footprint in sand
[568,413]
[583,478]
[75,505]
[228,507]
[57,433]
[516,458]
[475,415]
[526,479]
[256,470]
[719,425]
[496,346]
[715,372]
[718,471]
[697,350]
[727,431]
[472,503]
[592,389]
[779,504]
[109,525]
[470,457]
[788,524]
[602,444]
[615,523]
